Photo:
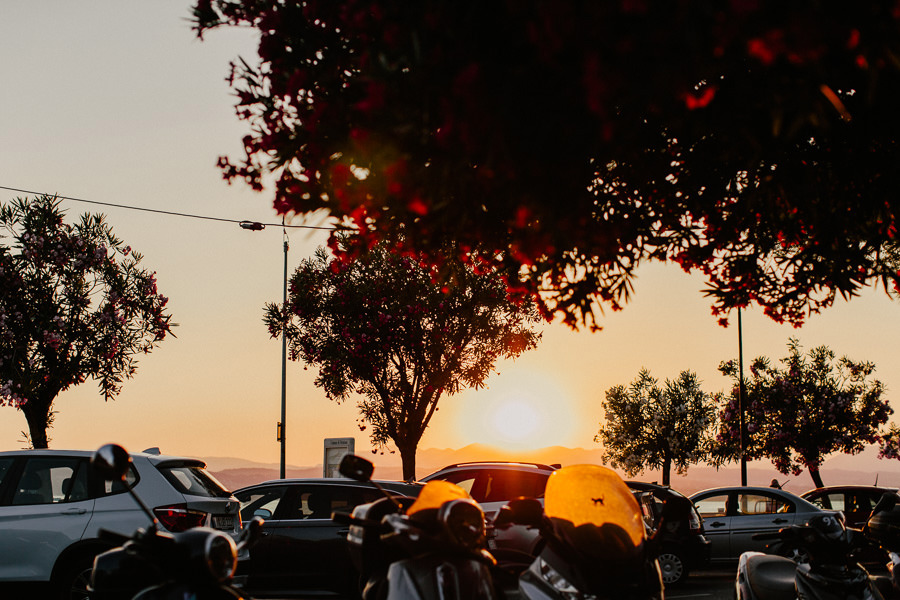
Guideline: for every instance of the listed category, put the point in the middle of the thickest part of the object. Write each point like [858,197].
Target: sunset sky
[117,102]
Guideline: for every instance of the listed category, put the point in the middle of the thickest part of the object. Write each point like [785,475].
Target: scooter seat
[771,577]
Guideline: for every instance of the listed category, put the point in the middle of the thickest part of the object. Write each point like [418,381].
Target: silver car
[52,506]
[733,515]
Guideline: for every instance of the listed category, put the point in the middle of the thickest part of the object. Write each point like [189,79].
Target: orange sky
[103,110]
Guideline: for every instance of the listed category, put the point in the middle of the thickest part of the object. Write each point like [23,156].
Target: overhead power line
[245,224]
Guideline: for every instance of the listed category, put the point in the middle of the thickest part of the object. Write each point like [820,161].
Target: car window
[464,479]
[260,502]
[833,501]
[712,506]
[502,485]
[193,480]
[5,464]
[50,480]
[762,504]
[116,486]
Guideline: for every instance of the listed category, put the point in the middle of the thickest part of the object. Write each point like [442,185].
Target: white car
[52,506]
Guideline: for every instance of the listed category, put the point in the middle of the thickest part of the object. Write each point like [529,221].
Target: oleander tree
[567,142]
[657,427]
[399,335]
[75,305]
[809,407]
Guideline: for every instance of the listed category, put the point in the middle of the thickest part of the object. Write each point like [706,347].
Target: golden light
[521,411]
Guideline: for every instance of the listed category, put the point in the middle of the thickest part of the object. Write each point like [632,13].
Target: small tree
[385,327]
[799,414]
[75,304]
[652,427]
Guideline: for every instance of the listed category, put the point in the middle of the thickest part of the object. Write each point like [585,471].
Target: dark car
[493,484]
[684,545]
[855,501]
[733,515]
[302,552]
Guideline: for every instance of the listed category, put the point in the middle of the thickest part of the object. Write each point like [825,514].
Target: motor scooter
[597,542]
[152,564]
[825,568]
[429,548]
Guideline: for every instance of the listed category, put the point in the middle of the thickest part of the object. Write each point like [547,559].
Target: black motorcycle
[597,543]
[824,567]
[152,564]
[427,548]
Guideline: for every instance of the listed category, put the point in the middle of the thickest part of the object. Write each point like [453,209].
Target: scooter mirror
[521,511]
[111,462]
[887,502]
[251,533]
[356,467]
[676,508]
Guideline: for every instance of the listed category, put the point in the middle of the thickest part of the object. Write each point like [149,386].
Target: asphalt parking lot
[706,585]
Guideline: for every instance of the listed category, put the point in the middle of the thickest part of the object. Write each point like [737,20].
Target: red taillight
[177,517]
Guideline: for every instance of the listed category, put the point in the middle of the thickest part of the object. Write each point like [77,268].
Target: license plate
[223,522]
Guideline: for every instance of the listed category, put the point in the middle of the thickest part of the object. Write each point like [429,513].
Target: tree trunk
[666,469]
[37,413]
[408,457]
[816,476]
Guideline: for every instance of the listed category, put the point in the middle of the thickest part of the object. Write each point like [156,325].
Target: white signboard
[335,449]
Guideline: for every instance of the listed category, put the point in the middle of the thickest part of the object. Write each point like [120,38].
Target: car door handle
[717,524]
[74,511]
[779,521]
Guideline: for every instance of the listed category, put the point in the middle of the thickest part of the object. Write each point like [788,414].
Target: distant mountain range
[860,469]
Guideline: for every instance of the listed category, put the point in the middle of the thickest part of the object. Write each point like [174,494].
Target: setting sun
[521,411]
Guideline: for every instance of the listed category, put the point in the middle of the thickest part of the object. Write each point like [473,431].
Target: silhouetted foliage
[810,407]
[75,304]
[386,327]
[647,426]
[567,142]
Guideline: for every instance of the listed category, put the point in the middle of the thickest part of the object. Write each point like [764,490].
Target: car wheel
[672,566]
[74,581]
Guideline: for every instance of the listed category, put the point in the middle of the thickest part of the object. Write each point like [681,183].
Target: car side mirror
[111,462]
[521,511]
[356,468]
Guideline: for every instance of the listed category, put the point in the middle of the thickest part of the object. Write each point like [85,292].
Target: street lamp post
[282,425]
[741,401]
[284,365]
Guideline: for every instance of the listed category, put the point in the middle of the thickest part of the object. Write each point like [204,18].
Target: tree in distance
[387,327]
[75,304]
[799,413]
[648,426]
[566,143]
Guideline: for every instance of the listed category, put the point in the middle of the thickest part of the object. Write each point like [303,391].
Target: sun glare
[519,412]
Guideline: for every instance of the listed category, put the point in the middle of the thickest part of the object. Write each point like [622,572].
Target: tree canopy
[648,426]
[75,304]
[566,142]
[388,328]
[799,413]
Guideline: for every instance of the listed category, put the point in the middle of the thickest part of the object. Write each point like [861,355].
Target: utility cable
[252,225]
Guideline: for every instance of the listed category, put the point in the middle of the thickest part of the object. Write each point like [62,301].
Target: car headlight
[463,521]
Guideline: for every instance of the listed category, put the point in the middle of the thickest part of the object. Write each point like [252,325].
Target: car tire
[672,566]
[72,583]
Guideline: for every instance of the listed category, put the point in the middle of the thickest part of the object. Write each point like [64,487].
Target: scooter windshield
[435,493]
[595,512]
